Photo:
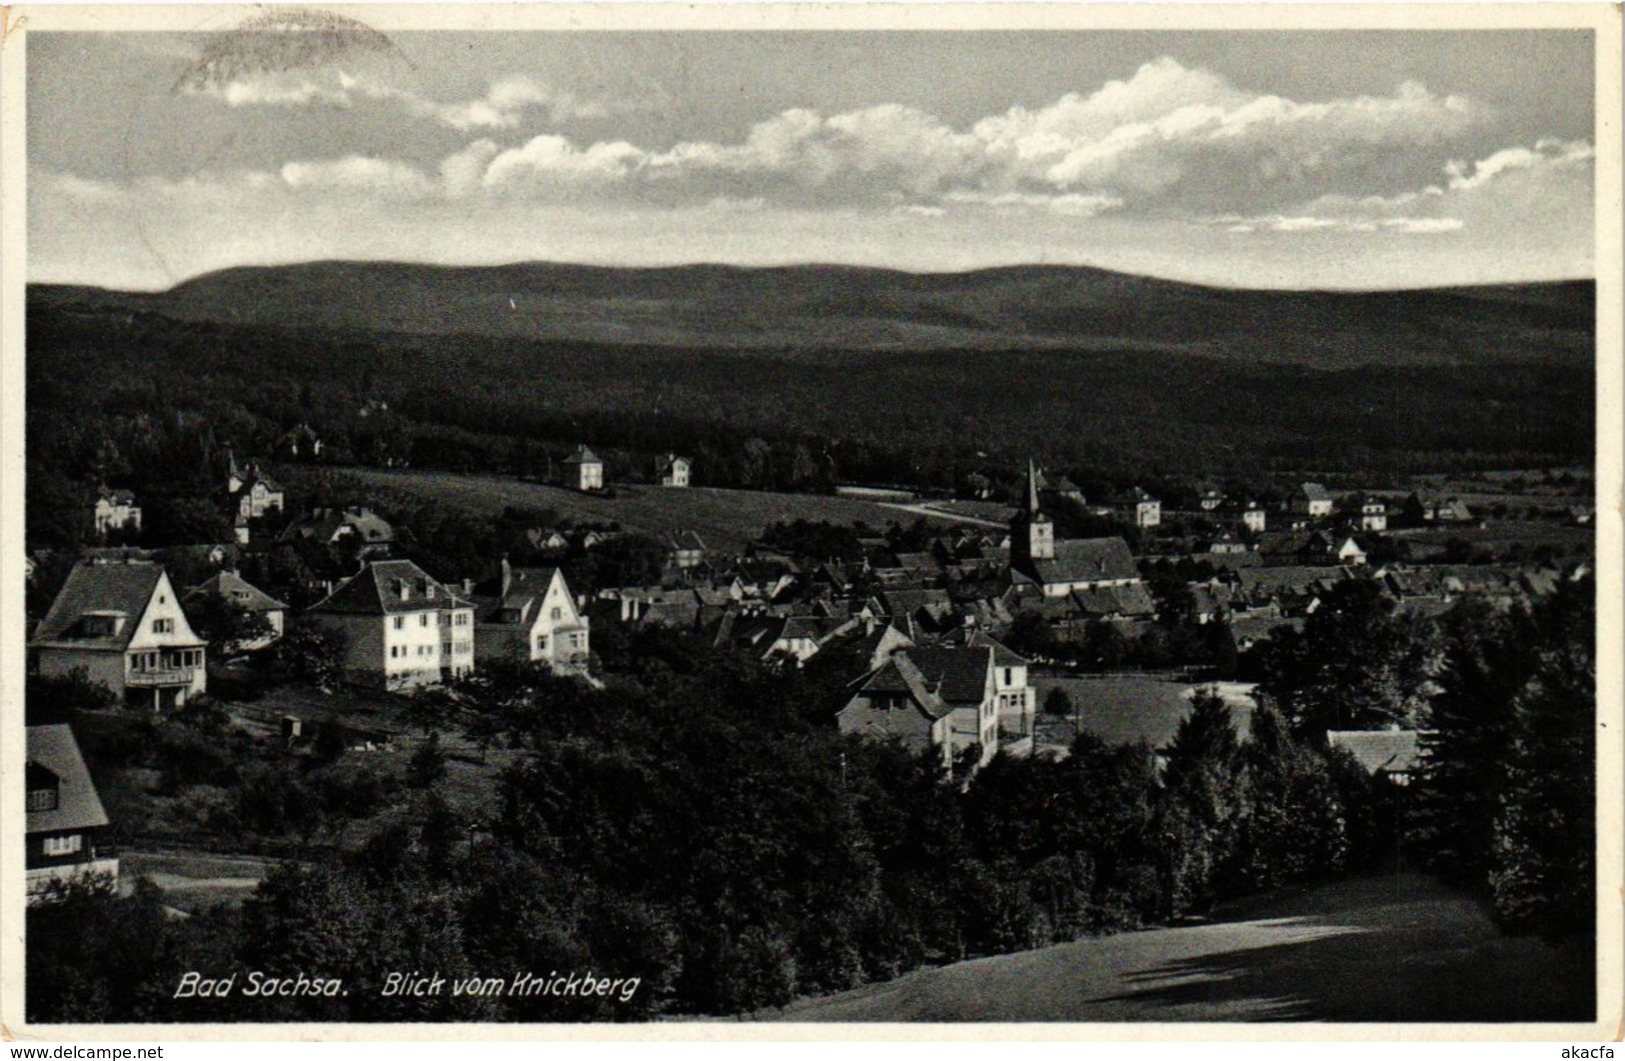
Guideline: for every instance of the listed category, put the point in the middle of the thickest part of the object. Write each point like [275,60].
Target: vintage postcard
[1058,521]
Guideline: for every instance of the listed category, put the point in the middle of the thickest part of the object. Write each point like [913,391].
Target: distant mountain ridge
[849,308]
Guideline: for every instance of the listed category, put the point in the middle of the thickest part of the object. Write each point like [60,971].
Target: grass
[1392,948]
[1126,710]
[725,519]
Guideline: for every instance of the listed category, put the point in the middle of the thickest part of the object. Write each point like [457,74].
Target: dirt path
[1393,948]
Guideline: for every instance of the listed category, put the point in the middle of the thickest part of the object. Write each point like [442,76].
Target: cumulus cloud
[1168,137]
[504,105]
[1169,143]
[359,174]
[1510,186]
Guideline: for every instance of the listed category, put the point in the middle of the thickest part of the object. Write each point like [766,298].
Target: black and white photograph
[1045,516]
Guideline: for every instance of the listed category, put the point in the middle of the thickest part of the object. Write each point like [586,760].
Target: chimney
[406,588]
[468,587]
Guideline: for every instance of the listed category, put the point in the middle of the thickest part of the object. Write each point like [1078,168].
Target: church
[1060,568]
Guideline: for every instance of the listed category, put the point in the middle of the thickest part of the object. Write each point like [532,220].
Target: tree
[1356,665]
[1506,799]
[1202,804]
[1030,635]
[309,651]
[227,628]
[1292,823]
[1541,870]
[1058,702]
[428,763]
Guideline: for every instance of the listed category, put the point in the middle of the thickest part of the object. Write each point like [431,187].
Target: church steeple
[1032,534]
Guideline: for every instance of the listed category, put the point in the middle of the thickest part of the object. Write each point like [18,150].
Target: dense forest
[123,394]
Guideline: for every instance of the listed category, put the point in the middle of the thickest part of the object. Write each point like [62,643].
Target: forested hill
[816,308]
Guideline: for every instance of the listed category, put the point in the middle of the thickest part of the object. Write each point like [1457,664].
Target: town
[1011,621]
[1049,525]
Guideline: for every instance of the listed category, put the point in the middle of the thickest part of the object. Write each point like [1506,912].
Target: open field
[726,519]
[191,881]
[1394,948]
[1126,710]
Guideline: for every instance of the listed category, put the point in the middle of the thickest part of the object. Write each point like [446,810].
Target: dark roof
[956,675]
[376,590]
[1380,751]
[77,804]
[687,540]
[1315,492]
[126,497]
[583,455]
[899,675]
[230,586]
[1086,560]
[125,587]
[256,476]
[1002,656]
[323,523]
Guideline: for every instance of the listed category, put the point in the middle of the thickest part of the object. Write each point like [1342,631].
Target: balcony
[154,679]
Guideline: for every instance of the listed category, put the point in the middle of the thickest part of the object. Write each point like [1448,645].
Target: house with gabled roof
[1395,755]
[943,699]
[672,470]
[1313,501]
[401,627]
[252,494]
[115,510]
[531,614]
[1141,508]
[237,592]
[65,819]
[584,470]
[355,530]
[121,622]
[686,550]
[1017,701]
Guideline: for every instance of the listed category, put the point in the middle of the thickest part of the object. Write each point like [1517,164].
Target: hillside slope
[848,308]
[1399,948]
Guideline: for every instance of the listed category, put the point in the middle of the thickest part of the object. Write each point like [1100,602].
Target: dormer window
[43,788]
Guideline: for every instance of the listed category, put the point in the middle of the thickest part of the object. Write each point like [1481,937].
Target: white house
[533,616]
[252,494]
[1373,514]
[121,622]
[402,628]
[116,510]
[1314,501]
[1145,510]
[673,470]
[584,470]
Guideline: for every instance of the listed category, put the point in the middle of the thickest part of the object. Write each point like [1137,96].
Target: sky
[1352,159]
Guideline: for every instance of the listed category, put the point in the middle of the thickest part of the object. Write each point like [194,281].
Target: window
[42,799]
[163,626]
[63,845]
[558,613]
[1009,676]
[423,620]
[400,622]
